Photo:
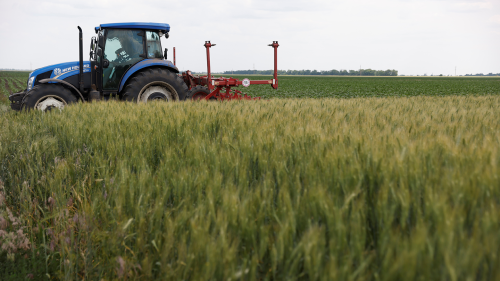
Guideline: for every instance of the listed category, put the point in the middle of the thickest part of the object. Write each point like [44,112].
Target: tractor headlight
[30,82]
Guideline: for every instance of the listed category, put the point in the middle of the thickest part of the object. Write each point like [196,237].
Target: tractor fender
[144,64]
[62,82]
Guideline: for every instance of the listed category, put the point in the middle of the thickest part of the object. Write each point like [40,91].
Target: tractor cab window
[123,49]
[153,45]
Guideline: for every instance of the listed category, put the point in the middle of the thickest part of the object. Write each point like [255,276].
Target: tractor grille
[42,76]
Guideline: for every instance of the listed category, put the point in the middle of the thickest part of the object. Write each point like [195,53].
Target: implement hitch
[216,85]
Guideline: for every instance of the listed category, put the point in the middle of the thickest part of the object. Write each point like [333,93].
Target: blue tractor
[126,63]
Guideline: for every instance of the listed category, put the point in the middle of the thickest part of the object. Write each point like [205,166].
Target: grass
[295,189]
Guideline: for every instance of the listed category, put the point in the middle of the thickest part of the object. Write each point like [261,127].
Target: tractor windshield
[123,49]
[153,45]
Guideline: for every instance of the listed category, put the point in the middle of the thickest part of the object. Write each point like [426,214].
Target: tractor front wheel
[155,84]
[46,97]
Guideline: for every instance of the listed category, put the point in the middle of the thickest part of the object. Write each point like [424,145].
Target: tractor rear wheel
[155,84]
[199,93]
[46,97]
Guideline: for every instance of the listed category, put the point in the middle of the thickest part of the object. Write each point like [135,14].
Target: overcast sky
[412,36]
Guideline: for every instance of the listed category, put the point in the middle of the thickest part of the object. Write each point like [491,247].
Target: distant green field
[355,87]
[11,82]
[336,87]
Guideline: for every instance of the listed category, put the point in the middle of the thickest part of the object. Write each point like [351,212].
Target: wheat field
[295,189]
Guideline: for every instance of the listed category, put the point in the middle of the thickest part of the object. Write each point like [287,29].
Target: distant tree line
[480,74]
[364,72]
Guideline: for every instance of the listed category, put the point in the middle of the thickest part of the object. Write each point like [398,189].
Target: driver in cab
[124,48]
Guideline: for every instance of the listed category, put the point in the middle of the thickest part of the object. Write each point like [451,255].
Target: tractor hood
[62,70]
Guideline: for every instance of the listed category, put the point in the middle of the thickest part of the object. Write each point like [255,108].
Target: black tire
[198,93]
[173,86]
[41,97]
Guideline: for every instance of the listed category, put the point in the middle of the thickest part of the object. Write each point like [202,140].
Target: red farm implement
[211,88]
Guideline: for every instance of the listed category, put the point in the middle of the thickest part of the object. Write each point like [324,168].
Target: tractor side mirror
[101,42]
[165,53]
[105,63]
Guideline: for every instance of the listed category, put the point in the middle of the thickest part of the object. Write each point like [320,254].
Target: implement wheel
[155,84]
[199,93]
[46,97]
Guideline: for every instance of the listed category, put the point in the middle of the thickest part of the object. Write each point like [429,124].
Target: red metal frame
[275,46]
[215,85]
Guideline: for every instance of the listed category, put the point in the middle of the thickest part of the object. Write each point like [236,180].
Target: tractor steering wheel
[121,56]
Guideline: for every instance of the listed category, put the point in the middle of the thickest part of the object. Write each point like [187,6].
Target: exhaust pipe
[80,78]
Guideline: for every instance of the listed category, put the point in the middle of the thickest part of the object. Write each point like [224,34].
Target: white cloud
[495,19]
[474,6]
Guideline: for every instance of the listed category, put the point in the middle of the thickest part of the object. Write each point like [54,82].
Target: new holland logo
[57,71]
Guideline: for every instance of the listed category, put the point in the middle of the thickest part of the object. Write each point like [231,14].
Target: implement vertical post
[209,74]
[275,45]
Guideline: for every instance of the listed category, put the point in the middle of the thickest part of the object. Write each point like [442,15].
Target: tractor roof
[165,27]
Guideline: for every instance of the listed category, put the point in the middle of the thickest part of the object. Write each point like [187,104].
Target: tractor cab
[120,46]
